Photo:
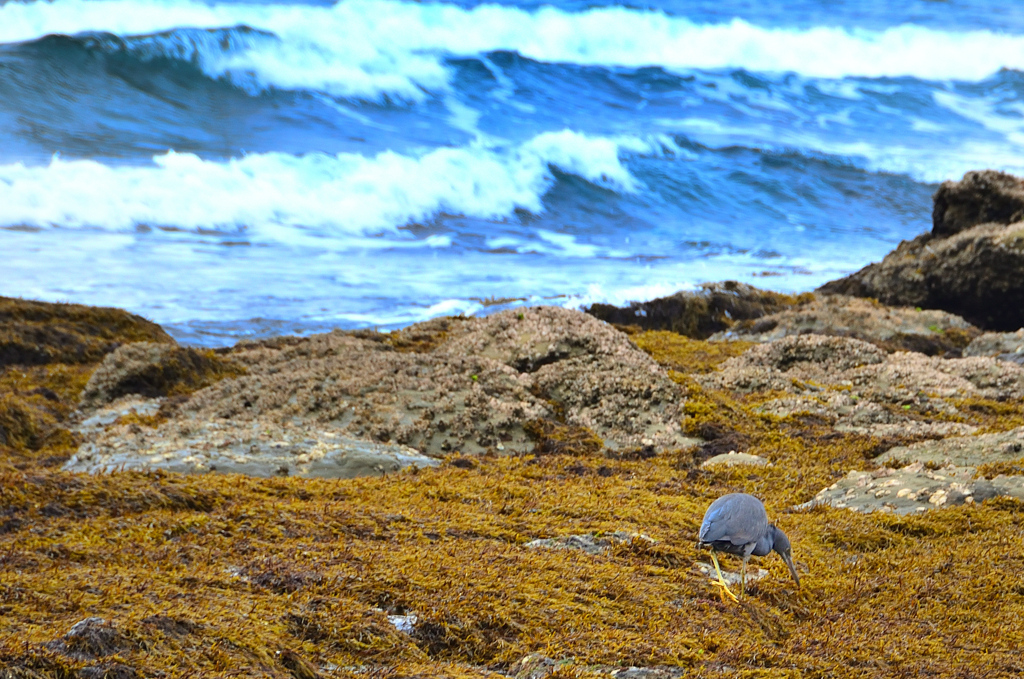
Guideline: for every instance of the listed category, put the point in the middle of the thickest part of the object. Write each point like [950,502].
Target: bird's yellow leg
[721,580]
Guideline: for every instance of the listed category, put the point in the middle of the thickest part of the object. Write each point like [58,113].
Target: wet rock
[699,314]
[36,333]
[91,638]
[150,370]
[971,264]
[857,387]
[931,332]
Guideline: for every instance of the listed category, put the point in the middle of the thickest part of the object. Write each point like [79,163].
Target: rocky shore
[519,494]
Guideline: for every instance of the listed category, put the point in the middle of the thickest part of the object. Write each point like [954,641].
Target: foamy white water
[291,199]
[365,48]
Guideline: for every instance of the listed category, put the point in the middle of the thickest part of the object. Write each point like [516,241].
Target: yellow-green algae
[224,575]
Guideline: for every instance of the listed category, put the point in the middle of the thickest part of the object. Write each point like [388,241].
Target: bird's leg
[721,580]
[743,575]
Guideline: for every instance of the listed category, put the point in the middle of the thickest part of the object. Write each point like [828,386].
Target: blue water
[240,169]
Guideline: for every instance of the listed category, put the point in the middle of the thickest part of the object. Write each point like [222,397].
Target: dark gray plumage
[738,524]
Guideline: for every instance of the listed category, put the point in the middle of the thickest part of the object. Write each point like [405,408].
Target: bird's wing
[741,520]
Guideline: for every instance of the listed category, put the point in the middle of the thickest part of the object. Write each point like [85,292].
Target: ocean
[243,169]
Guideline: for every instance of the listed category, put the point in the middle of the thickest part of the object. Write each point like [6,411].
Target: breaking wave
[371,48]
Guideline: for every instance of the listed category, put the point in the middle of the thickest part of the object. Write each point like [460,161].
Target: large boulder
[340,404]
[970,264]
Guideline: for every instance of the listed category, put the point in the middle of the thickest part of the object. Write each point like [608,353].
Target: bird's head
[780,543]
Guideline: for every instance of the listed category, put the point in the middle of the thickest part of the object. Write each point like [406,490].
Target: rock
[732,579]
[1006,346]
[979,198]
[591,543]
[537,666]
[151,370]
[931,332]
[859,388]
[37,333]
[930,474]
[733,459]
[316,406]
[599,378]
[714,308]
[960,451]
[265,450]
[91,638]
[971,264]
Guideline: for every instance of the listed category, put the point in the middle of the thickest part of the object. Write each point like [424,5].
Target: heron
[738,524]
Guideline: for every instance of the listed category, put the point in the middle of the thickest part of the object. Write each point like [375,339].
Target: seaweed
[429,573]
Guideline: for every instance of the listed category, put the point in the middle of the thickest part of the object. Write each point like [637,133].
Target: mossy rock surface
[37,333]
[151,370]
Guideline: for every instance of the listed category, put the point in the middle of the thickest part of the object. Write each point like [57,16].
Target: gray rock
[591,543]
[859,388]
[929,475]
[1005,346]
[261,452]
[733,459]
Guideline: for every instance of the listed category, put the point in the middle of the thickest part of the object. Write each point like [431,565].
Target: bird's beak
[788,558]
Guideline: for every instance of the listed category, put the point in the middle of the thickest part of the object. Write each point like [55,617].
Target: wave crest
[279,197]
[368,48]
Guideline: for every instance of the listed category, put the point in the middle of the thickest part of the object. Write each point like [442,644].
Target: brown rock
[152,370]
[714,308]
[966,265]
[979,198]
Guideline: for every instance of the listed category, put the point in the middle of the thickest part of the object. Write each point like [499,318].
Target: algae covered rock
[37,333]
[971,263]
[931,332]
[149,369]
[543,379]
[701,313]
[857,387]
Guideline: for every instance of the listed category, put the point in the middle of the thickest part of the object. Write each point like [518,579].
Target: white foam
[364,48]
[317,197]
